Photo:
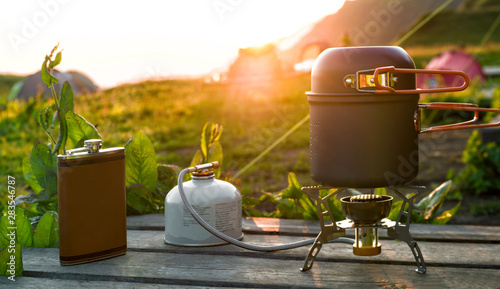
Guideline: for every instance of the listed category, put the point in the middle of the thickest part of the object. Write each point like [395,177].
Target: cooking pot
[365,116]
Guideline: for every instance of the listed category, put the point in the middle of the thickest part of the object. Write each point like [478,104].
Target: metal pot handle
[454,106]
[391,69]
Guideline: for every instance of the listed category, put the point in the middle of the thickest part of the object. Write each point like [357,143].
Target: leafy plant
[426,211]
[40,172]
[149,182]
[292,203]
[16,232]
[210,148]
[40,168]
[481,173]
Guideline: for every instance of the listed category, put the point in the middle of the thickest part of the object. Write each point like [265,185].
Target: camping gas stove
[364,128]
[365,214]
[365,118]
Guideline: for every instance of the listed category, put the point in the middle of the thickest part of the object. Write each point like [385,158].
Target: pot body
[362,139]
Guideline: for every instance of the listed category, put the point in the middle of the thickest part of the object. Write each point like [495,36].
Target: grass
[483,208]
[172,113]
[457,28]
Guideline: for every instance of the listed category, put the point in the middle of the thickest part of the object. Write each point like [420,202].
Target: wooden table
[456,257]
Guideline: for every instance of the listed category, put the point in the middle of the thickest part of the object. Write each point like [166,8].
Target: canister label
[228,216]
[224,217]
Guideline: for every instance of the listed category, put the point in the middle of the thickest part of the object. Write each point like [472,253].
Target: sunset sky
[124,41]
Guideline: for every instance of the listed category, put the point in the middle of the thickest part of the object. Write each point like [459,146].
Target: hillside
[359,23]
[456,28]
[6,82]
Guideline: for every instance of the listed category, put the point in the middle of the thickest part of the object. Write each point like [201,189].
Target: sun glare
[276,20]
[150,39]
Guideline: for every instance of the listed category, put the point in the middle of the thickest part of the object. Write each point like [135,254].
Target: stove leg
[311,256]
[328,231]
[402,232]
[421,269]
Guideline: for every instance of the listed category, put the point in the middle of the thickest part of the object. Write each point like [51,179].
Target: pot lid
[343,70]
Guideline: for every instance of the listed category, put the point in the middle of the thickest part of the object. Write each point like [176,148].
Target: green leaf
[47,77]
[79,130]
[336,209]
[310,209]
[47,231]
[210,149]
[55,120]
[32,198]
[446,216]
[335,206]
[66,99]
[11,256]
[215,154]
[44,167]
[197,159]
[65,105]
[204,144]
[434,200]
[63,135]
[380,191]
[47,205]
[14,225]
[293,191]
[167,177]
[5,234]
[53,50]
[395,209]
[215,132]
[45,119]
[56,61]
[29,176]
[137,199]
[140,162]
[24,229]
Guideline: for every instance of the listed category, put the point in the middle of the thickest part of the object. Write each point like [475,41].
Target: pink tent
[451,60]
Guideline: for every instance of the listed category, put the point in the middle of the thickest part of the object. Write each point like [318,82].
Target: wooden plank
[419,231]
[434,253]
[235,271]
[452,233]
[146,222]
[84,282]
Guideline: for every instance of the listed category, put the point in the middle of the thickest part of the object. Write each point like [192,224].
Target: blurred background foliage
[172,113]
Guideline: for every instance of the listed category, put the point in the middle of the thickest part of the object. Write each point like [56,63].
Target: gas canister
[216,201]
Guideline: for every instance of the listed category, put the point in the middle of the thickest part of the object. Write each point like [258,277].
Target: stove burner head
[366,209]
[366,198]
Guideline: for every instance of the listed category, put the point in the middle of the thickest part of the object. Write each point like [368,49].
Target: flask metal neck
[90,146]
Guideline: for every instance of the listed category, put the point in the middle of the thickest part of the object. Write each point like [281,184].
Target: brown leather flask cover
[92,206]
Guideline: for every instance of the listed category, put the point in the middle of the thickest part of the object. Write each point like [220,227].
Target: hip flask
[92,203]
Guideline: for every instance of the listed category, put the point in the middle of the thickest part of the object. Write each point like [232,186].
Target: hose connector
[204,167]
